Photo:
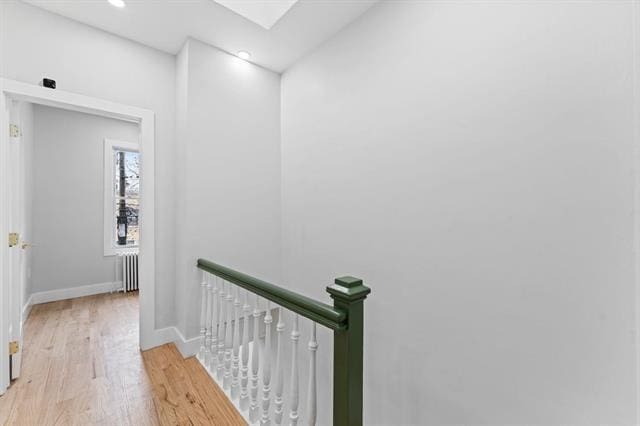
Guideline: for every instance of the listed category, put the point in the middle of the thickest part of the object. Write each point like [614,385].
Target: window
[121,197]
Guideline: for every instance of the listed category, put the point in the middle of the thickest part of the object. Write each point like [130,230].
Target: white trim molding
[12,90]
[110,249]
[26,308]
[187,347]
[74,292]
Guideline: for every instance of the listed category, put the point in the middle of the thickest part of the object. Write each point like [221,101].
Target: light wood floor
[82,366]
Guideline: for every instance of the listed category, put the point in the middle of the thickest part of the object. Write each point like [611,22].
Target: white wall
[68,198]
[36,44]
[473,163]
[229,174]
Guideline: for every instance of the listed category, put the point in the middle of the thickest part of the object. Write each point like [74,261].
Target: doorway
[13,256]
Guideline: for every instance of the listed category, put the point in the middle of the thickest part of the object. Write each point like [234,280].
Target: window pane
[127,173]
[126,223]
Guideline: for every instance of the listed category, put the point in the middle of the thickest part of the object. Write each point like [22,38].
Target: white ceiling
[165,24]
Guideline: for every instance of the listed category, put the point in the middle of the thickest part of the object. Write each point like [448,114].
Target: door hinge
[14,237]
[13,347]
[14,131]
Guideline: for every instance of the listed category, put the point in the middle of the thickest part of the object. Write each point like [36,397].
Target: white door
[16,264]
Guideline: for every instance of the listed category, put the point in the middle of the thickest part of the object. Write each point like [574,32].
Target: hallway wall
[36,44]
[228,181]
[473,163]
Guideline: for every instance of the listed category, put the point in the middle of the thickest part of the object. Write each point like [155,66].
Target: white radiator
[129,271]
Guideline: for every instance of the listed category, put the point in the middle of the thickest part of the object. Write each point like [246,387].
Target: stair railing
[231,301]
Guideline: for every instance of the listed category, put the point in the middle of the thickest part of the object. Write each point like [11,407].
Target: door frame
[11,90]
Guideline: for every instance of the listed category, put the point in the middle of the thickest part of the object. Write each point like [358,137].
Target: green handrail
[345,318]
[316,311]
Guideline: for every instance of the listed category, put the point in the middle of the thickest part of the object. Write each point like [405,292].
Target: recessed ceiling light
[244,55]
[117,3]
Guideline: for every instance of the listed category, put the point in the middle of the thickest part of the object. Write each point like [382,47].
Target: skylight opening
[263,13]
[117,3]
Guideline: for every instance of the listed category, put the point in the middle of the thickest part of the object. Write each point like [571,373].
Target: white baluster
[222,329]
[203,314]
[255,363]
[244,368]
[295,397]
[278,401]
[214,326]
[207,338]
[228,342]
[266,368]
[235,366]
[312,403]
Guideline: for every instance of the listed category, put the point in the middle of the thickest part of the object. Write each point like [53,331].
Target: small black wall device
[47,82]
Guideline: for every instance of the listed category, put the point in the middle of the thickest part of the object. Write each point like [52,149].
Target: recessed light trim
[117,3]
[244,55]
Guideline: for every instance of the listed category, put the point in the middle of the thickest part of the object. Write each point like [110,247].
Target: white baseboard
[162,336]
[187,347]
[73,292]
[26,309]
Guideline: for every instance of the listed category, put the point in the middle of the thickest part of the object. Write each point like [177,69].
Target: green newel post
[348,295]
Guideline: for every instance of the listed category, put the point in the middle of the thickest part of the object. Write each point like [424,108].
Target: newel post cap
[348,289]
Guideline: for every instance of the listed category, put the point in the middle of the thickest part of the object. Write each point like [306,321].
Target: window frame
[110,248]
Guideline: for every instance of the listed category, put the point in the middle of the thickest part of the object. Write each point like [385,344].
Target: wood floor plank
[82,366]
[220,412]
